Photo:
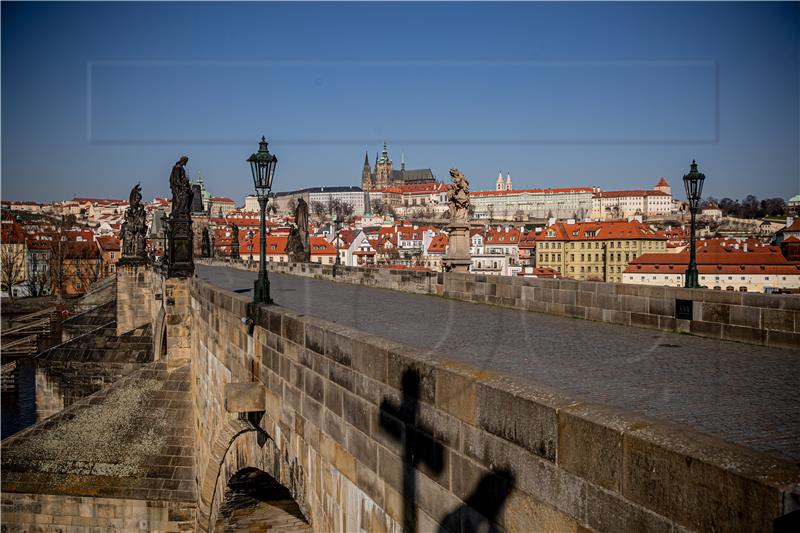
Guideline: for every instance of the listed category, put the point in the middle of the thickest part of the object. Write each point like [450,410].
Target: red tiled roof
[600,231]
[728,261]
[81,250]
[108,243]
[498,237]
[791,239]
[662,183]
[438,243]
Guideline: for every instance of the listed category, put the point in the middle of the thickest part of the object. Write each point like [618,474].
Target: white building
[722,265]
[610,205]
[575,202]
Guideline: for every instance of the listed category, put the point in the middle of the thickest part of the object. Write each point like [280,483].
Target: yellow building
[595,250]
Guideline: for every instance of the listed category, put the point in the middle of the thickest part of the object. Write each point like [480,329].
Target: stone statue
[197,199]
[457,257]
[181,189]
[205,245]
[298,247]
[180,257]
[458,197]
[134,229]
[234,241]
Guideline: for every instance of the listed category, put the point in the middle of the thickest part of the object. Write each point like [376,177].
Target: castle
[385,176]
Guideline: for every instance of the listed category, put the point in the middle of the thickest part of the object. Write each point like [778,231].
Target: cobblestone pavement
[741,393]
[256,503]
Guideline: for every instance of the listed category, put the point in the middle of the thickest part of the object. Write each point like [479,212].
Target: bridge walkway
[740,393]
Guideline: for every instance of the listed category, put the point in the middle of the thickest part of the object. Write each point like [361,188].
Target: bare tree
[38,278]
[12,269]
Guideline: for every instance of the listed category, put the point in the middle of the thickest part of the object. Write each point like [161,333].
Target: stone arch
[240,444]
[256,500]
[160,335]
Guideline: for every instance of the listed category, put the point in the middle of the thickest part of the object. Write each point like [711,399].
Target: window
[78,285]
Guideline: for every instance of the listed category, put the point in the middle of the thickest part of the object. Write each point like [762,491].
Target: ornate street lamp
[693,182]
[336,226]
[262,163]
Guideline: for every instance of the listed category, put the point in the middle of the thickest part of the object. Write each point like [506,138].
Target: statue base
[181,262]
[132,260]
[457,258]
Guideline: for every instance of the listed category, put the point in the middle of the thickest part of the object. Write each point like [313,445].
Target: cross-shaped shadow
[480,510]
[418,447]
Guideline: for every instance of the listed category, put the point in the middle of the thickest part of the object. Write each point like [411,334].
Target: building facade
[595,250]
[525,204]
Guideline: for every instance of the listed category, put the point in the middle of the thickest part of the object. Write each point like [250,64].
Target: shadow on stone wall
[480,510]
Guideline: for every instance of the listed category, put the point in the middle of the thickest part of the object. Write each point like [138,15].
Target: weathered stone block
[523,513]
[606,511]
[315,338]
[661,306]
[783,339]
[590,443]
[745,316]
[706,329]
[633,304]
[744,334]
[715,312]
[339,347]
[520,416]
[778,319]
[668,471]
[644,320]
[244,397]
[456,392]
[370,359]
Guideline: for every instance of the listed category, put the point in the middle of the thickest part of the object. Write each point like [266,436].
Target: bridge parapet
[763,319]
[345,411]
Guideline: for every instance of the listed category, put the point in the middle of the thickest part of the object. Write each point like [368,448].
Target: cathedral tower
[366,174]
[383,170]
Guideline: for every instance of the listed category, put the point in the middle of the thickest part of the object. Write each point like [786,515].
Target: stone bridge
[361,432]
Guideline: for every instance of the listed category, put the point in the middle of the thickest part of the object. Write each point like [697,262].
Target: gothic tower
[383,170]
[508,181]
[366,174]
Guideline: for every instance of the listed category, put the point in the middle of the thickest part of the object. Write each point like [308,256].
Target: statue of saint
[134,227]
[458,197]
[298,246]
[181,189]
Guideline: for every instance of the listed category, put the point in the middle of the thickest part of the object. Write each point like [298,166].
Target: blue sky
[98,96]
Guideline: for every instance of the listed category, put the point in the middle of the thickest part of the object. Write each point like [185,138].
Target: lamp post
[693,182]
[262,164]
[336,238]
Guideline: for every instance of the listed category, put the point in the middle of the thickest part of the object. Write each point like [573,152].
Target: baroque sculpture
[181,263]
[205,244]
[457,258]
[235,241]
[133,230]
[298,247]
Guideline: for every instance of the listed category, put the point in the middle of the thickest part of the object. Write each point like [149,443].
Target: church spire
[366,158]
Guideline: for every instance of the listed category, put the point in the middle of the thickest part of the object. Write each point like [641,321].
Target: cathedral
[385,176]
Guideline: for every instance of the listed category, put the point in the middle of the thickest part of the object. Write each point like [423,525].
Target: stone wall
[765,319]
[343,411]
[49,512]
[133,297]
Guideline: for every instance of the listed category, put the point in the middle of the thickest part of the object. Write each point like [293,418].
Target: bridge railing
[763,319]
[342,406]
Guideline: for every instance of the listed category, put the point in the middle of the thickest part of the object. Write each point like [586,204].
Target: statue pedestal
[181,263]
[457,258]
[132,260]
